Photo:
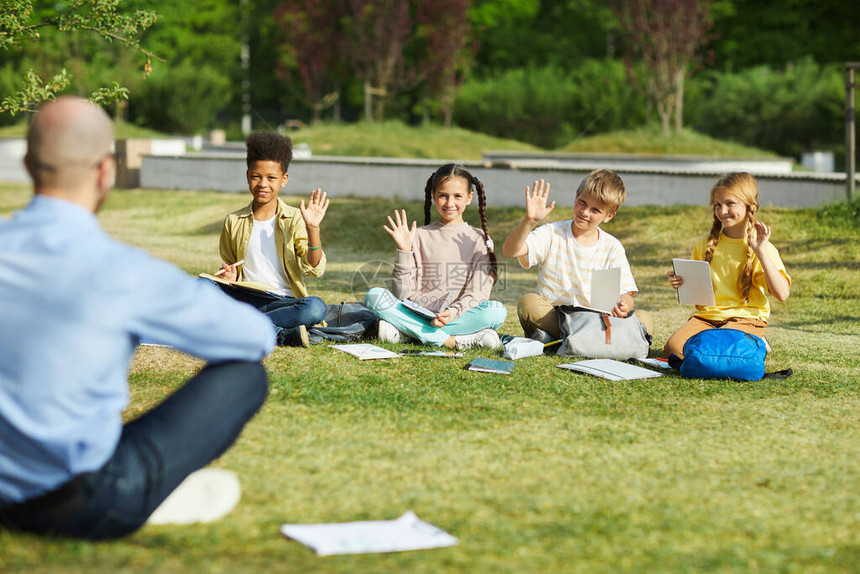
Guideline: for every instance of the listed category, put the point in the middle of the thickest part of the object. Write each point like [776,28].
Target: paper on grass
[365,351]
[655,362]
[697,288]
[611,369]
[405,533]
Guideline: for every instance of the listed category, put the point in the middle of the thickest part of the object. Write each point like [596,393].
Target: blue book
[491,366]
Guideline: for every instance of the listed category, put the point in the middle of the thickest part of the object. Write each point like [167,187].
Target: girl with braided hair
[745,266]
[448,267]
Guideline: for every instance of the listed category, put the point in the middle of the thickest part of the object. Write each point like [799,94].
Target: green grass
[545,470]
[394,139]
[123,131]
[651,141]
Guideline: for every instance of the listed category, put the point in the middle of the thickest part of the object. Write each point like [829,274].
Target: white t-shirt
[262,263]
[565,266]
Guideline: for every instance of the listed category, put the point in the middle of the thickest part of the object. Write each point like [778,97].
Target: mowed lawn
[541,471]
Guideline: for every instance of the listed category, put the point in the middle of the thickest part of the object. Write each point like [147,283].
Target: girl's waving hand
[400,230]
[758,236]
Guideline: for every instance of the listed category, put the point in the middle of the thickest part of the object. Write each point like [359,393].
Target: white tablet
[697,288]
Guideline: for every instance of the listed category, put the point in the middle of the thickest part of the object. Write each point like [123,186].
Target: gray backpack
[595,335]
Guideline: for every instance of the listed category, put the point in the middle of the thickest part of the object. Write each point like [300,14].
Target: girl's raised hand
[400,230]
[758,236]
[314,213]
[536,198]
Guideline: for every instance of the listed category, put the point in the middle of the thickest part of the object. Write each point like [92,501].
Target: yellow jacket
[291,240]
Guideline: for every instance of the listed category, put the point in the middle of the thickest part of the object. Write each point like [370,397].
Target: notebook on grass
[491,366]
[611,369]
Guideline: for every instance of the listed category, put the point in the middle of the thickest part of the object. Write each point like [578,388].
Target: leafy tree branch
[99,17]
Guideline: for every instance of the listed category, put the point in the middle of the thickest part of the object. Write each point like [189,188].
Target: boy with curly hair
[269,242]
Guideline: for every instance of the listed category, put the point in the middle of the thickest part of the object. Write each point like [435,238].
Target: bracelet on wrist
[314,248]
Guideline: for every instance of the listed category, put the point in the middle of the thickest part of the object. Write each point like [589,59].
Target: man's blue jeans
[156,452]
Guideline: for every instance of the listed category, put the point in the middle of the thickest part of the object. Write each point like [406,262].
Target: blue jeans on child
[155,453]
[383,303]
[284,312]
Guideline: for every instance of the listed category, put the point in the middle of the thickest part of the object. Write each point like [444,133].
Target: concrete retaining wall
[505,181]
[623,161]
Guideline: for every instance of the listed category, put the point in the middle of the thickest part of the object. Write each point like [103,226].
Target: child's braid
[745,279]
[482,203]
[713,237]
[428,198]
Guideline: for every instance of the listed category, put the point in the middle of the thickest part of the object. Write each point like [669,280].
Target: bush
[789,112]
[183,99]
[549,106]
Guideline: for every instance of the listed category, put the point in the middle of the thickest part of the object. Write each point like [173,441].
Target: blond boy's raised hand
[536,201]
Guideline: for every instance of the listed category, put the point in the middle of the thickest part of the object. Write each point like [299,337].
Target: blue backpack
[722,354]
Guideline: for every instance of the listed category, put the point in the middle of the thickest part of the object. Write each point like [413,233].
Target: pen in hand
[222,270]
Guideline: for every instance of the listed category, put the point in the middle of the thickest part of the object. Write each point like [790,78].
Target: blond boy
[567,252]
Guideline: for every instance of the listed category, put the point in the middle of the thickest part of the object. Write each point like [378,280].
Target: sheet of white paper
[365,351]
[611,369]
[405,533]
[654,362]
[605,288]
[697,288]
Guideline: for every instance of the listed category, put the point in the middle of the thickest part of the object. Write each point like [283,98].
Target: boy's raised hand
[536,198]
[400,230]
[314,213]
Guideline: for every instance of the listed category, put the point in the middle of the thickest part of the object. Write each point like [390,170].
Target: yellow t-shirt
[727,264]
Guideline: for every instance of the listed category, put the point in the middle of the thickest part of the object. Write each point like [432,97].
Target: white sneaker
[483,339]
[388,333]
[204,496]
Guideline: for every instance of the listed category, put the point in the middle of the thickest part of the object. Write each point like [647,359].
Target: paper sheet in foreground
[405,533]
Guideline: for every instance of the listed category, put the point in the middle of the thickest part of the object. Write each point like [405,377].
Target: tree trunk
[679,101]
[664,110]
[368,115]
[335,112]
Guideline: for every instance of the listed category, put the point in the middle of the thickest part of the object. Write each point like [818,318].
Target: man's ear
[106,174]
[105,180]
[284,179]
[609,216]
[28,165]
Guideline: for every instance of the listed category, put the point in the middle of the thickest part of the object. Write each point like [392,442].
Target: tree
[380,30]
[21,25]
[449,49]
[313,43]
[664,37]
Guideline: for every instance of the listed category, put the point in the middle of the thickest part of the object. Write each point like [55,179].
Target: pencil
[222,270]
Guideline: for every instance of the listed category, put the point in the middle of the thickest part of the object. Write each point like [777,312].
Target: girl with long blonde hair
[745,266]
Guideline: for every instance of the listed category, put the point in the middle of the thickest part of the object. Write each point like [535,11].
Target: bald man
[75,304]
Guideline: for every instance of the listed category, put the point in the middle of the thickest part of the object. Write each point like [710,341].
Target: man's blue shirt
[74,304]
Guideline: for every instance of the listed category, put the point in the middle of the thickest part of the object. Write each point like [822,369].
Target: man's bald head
[67,142]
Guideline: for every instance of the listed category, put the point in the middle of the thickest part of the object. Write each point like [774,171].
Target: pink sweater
[448,268]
